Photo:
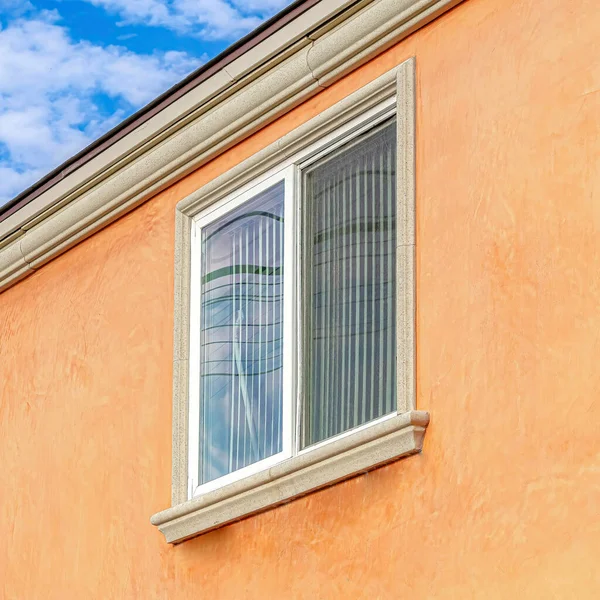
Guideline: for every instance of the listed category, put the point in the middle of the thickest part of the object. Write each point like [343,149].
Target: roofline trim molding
[222,111]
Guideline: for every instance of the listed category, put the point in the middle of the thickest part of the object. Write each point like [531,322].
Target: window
[244,331]
[294,320]
[241,409]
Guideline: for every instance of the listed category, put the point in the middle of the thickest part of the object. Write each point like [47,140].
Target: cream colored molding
[379,26]
[357,453]
[13,266]
[405,250]
[198,128]
[343,458]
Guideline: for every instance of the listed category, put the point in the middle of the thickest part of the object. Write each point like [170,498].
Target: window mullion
[287,312]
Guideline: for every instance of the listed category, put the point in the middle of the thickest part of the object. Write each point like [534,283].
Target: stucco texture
[504,500]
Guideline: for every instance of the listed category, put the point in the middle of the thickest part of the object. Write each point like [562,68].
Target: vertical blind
[350,219]
[241,338]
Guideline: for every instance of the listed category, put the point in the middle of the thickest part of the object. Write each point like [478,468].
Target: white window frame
[352,452]
[288,176]
[290,172]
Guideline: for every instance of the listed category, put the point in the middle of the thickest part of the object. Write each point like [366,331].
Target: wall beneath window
[504,499]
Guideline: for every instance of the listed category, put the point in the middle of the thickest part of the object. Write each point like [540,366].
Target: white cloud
[57,95]
[15,7]
[208,19]
[260,6]
[10,179]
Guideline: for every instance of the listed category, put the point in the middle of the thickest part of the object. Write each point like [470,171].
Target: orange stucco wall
[505,499]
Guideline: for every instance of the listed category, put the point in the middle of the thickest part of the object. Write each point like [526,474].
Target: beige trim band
[406,238]
[356,453]
[212,119]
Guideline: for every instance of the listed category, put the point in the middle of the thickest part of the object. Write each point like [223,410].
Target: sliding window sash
[242,335]
[349,207]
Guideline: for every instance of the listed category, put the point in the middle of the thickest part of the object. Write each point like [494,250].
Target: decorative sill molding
[217,119]
[312,470]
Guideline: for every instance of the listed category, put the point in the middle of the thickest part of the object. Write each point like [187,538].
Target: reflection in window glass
[241,338]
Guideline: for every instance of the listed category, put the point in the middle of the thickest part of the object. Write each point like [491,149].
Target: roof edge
[139,117]
[204,123]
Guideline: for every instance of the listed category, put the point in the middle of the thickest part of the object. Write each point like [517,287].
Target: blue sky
[72,69]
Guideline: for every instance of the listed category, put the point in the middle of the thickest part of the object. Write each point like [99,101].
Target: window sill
[330,463]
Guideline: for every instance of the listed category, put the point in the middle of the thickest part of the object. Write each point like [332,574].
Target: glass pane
[350,208]
[241,338]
